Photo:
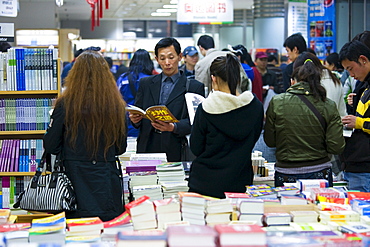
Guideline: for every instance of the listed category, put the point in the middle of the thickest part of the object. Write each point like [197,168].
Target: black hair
[353,50]
[245,57]
[4,46]
[109,61]
[296,40]
[271,58]
[308,68]
[283,58]
[140,62]
[228,69]
[206,41]
[363,37]
[333,59]
[311,51]
[166,42]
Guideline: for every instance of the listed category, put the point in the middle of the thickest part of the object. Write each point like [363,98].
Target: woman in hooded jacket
[226,127]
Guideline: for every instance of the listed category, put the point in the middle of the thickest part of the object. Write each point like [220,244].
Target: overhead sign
[8,8]
[322,27]
[205,12]
[7,32]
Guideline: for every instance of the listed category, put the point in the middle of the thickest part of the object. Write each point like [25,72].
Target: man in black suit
[167,88]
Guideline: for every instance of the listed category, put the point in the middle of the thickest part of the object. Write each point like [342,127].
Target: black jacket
[225,130]
[97,182]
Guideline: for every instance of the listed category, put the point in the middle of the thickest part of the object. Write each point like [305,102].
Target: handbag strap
[314,110]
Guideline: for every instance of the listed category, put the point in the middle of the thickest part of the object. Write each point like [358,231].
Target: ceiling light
[169,6]
[166,10]
[160,14]
[174,1]
[127,8]
[132,4]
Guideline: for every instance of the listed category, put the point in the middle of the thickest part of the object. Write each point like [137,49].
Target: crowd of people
[298,108]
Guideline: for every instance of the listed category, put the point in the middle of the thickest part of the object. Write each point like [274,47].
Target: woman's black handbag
[51,191]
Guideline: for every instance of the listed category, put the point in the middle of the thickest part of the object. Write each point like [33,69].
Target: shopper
[206,46]
[88,128]
[226,127]
[329,81]
[246,61]
[141,66]
[191,57]
[294,45]
[302,142]
[167,88]
[332,63]
[355,57]
[269,79]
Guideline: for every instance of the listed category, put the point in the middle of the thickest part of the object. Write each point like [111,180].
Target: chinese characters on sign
[207,12]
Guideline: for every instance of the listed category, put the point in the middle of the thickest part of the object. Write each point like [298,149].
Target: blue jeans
[358,181]
[326,173]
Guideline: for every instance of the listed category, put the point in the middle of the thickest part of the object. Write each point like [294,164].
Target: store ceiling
[124,9]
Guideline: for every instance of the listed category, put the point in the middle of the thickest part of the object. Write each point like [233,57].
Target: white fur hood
[219,102]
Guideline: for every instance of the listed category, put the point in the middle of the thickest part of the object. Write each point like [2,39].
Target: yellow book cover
[45,230]
[51,220]
[157,112]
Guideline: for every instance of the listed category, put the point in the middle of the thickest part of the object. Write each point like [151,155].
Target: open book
[192,102]
[157,112]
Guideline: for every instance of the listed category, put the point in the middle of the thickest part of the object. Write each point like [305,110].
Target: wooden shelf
[23,132]
[33,92]
[15,174]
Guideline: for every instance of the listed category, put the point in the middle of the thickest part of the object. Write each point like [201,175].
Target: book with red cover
[241,235]
[15,227]
[122,219]
[84,224]
[129,207]
[191,235]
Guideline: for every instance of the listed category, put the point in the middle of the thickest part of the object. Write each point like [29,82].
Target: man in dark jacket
[167,88]
[355,58]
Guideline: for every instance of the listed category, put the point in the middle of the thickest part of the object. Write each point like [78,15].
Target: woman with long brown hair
[88,128]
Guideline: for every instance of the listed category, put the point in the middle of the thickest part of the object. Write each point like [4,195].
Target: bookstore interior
[159,210]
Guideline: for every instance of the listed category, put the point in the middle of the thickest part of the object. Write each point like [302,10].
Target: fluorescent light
[170,6]
[174,1]
[166,10]
[160,14]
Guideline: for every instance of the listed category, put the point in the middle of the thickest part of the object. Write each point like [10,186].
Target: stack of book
[286,190]
[84,230]
[143,178]
[307,184]
[293,200]
[168,210]
[192,235]
[16,233]
[304,216]
[154,191]
[48,230]
[261,191]
[192,207]
[339,216]
[241,235]
[143,156]
[152,238]
[126,188]
[171,188]
[142,213]
[171,171]
[251,210]
[114,226]
[236,197]
[218,211]
[315,193]
[276,219]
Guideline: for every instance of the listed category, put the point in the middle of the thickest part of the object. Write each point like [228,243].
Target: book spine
[5,181]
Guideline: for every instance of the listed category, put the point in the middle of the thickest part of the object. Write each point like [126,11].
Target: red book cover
[237,195]
[14,227]
[84,224]
[238,228]
[136,203]
[239,235]
[122,219]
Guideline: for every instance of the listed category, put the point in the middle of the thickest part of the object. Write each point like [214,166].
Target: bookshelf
[24,116]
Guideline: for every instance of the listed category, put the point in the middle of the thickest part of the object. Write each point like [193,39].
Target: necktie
[166,90]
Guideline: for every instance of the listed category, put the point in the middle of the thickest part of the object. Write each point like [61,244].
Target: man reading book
[167,88]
